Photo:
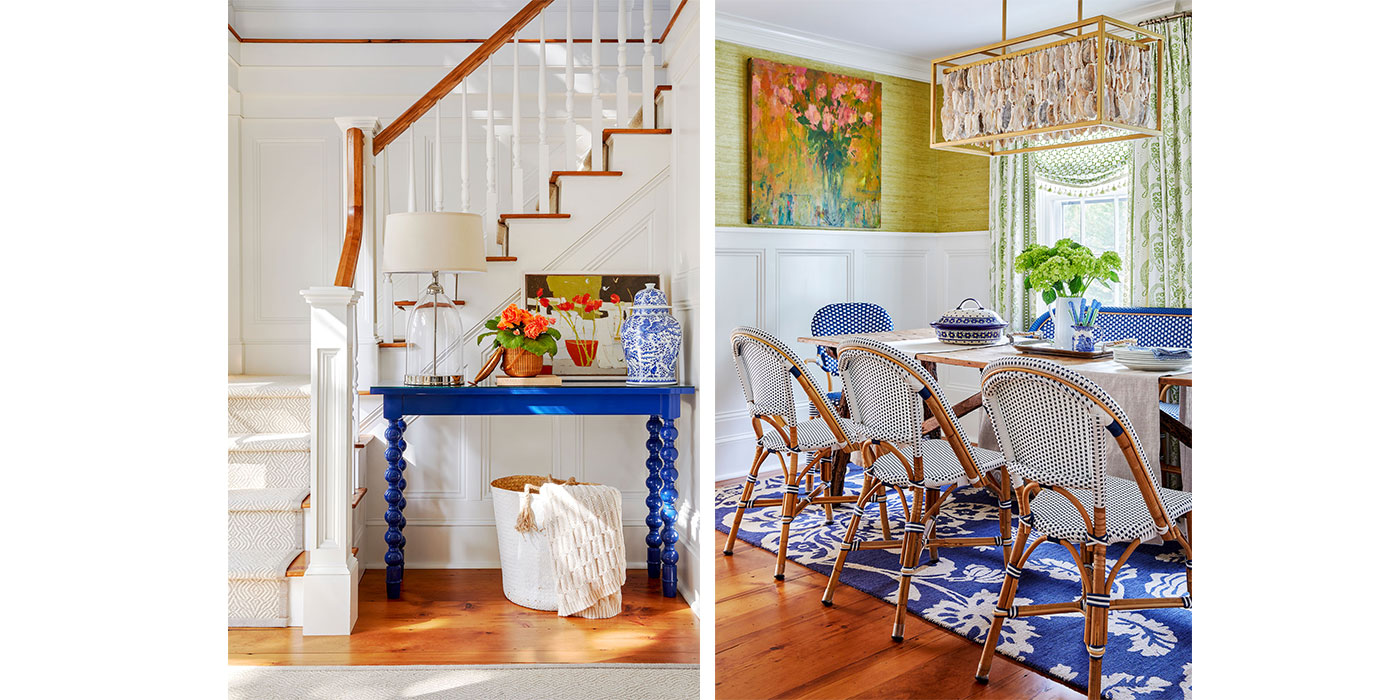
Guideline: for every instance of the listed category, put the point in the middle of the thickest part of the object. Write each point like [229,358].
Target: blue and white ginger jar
[651,339]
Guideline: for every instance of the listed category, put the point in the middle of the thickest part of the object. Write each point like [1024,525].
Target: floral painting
[590,308]
[814,148]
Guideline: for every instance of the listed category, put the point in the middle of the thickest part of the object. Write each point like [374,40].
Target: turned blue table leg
[654,497]
[669,557]
[394,498]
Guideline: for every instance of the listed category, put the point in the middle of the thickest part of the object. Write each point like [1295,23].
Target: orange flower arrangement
[518,328]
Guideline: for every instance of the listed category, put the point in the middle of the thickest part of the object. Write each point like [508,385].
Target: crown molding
[762,35]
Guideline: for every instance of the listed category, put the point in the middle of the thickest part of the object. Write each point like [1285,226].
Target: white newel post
[366,270]
[331,584]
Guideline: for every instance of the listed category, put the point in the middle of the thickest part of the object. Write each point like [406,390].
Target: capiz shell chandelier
[1101,82]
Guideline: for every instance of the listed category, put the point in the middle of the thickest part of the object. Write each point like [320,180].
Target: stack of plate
[1144,359]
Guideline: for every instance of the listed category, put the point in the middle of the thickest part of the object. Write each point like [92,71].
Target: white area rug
[505,682]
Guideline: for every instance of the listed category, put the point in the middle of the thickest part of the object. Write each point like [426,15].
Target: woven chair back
[767,368]
[844,318]
[887,390]
[1055,427]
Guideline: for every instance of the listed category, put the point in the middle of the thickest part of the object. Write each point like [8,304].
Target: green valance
[1084,170]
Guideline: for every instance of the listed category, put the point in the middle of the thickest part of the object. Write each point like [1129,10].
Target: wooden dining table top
[977,357]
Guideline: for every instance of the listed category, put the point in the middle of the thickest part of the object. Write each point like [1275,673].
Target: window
[1099,221]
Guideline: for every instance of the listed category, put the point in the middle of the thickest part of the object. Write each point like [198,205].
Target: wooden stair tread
[354,501]
[659,89]
[554,176]
[407,303]
[609,133]
[506,217]
[395,344]
[298,566]
[363,440]
[501,258]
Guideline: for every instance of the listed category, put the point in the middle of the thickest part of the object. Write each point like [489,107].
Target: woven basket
[527,568]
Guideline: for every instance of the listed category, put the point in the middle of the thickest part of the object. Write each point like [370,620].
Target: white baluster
[624,112]
[412,193]
[648,71]
[570,128]
[466,189]
[596,104]
[493,202]
[437,156]
[517,170]
[542,100]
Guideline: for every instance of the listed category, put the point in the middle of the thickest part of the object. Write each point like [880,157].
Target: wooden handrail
[354,209]
[463,69]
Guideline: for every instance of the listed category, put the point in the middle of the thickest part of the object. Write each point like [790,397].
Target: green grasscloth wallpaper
[922,189]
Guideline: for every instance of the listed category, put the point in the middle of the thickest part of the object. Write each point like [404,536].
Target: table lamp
[434,242]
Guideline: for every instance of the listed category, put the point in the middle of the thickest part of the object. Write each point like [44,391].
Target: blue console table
[662,404]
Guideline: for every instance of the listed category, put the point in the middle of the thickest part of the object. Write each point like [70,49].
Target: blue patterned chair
[1154,326]
[844,318]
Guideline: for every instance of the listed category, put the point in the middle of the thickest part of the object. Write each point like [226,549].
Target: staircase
[269,462]
[568,214]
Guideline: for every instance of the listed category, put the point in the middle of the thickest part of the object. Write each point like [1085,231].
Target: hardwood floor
[461,616]
[775,639]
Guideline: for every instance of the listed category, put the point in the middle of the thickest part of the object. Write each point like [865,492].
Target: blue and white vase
[651,339]
[1083,338]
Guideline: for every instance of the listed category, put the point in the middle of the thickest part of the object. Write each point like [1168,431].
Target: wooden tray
[1045,347]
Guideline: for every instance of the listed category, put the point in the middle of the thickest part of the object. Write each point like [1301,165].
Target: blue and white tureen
[651,339]
[979,326]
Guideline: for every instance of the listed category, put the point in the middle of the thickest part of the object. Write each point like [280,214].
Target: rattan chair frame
[926,501]
[792,475]
[1090,558]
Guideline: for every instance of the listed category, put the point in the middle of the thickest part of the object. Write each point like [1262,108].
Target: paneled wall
[921,189]
[776,279]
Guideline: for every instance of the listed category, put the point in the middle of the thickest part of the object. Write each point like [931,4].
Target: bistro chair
[1053,427]
[1151,326]
[887,392]
[767,368]
[841,319]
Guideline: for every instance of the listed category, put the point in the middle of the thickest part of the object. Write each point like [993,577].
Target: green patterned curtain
[1084,171]
[1011,222]
[1159,238]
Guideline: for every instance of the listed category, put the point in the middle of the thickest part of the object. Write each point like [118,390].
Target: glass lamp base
[434,380]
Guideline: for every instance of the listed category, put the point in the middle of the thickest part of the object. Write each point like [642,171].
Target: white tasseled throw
[584,525]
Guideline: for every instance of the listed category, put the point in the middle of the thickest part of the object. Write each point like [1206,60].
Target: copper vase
[519,362]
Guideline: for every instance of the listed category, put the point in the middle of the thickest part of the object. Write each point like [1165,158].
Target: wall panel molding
[915,276]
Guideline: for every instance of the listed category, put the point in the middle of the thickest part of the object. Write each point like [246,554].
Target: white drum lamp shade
[434,242]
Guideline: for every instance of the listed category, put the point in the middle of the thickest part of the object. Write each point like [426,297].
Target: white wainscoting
[776,279]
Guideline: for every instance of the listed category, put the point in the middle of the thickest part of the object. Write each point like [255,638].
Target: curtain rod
[1165,18]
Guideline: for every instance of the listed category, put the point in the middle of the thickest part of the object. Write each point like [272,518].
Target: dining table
[1133,389]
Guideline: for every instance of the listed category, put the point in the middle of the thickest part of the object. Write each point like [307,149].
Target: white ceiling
[927,29]
[421,19]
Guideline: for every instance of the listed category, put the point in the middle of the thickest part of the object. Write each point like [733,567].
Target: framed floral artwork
[814,147]
[590,308]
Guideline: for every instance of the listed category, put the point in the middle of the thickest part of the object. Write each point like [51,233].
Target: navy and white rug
[1149,651]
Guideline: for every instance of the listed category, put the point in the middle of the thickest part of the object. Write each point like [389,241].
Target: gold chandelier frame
[1100,30]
